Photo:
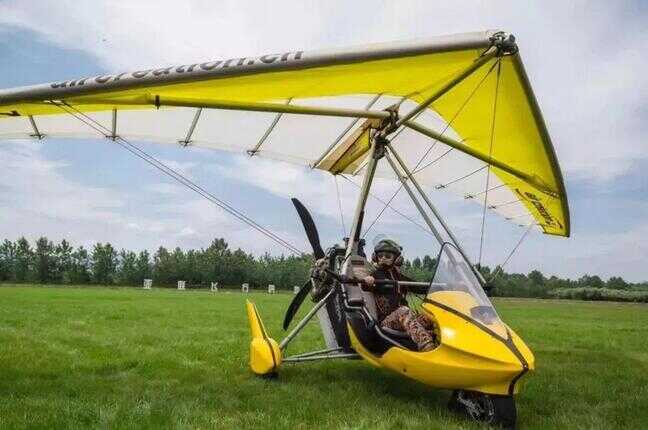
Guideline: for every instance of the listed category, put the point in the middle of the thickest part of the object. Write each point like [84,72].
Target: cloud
[38,199]
[50,194]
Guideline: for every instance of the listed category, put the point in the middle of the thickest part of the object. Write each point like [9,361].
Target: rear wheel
[485,408]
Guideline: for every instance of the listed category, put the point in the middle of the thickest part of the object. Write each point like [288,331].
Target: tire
[489,409]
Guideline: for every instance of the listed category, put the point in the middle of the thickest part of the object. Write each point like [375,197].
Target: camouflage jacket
[388,301]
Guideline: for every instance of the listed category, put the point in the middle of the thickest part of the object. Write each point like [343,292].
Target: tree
[163,269]
[429,263]
[178,265]
[63,259]
[214,260]
[127,273]
[7,260]
[591,281]
[537,278]
[23,261]
[104,264]
[143,266]
[617,283]
[44,263]
[79,272]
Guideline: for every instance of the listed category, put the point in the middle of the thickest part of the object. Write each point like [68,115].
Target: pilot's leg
[396,320]
[430,324]
[404,319]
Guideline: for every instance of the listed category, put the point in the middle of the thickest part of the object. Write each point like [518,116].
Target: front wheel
[485,408]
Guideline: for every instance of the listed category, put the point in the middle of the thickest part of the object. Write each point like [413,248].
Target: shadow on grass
[369,381]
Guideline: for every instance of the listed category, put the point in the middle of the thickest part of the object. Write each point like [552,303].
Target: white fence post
[245,287]
[181,285]
[148,283]
[295,289]
[214,287]
[271,289]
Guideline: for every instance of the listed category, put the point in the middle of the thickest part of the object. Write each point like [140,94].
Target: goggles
[385,255]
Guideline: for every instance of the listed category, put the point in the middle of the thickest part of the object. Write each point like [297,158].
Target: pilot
[393,309]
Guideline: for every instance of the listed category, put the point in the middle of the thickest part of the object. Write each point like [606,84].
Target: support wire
[133,149]
[421,226]
[337,190]
[499,268]
[490,156]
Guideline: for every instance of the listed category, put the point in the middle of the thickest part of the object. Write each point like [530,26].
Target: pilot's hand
[369,280]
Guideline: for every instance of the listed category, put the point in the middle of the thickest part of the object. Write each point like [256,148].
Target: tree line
[59,263]
[48,263]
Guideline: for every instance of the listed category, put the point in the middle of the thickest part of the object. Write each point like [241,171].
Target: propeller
[318,252]
[309,226]
[296,303]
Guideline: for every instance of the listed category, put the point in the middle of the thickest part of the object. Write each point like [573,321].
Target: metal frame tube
[113,127]
[319,357]
[267,107]
[284,343]
[265,136]
[161,101]
[319,352]
[433,208]
[192,127]
[352,246]
[37,134]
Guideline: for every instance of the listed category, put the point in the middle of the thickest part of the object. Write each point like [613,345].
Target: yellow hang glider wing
[477,129]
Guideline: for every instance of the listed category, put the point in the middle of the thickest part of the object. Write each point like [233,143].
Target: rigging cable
[461,108]
[488,170]
[337,190]
[421,226]
[133,149]
[499,268]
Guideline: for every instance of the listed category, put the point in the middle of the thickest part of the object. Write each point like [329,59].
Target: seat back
[361,268]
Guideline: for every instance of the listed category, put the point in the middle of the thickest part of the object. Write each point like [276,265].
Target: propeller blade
[296,303]
[309,226]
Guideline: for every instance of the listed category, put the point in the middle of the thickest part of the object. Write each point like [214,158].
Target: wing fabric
[236,105]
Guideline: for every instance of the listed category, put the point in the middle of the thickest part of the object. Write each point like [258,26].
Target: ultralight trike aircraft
[454,112]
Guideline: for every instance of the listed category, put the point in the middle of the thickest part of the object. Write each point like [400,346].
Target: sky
[586,62]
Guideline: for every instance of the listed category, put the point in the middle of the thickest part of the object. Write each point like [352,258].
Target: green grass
[127,358]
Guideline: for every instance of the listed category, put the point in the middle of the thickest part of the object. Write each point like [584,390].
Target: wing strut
[37,133]
[265,136]
[192,127]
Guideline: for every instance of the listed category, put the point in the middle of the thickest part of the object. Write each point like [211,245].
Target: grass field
[127,358]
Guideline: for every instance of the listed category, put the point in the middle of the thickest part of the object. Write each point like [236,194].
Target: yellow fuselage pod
[265,355]
[471,356]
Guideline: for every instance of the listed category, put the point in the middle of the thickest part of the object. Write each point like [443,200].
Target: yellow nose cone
[265,355]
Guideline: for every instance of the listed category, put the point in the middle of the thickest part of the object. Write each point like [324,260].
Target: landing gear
[485,408]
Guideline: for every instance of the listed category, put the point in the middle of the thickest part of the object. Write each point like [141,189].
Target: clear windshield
[456,286]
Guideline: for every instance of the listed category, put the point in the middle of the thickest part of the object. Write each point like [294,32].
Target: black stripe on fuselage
[508,341]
